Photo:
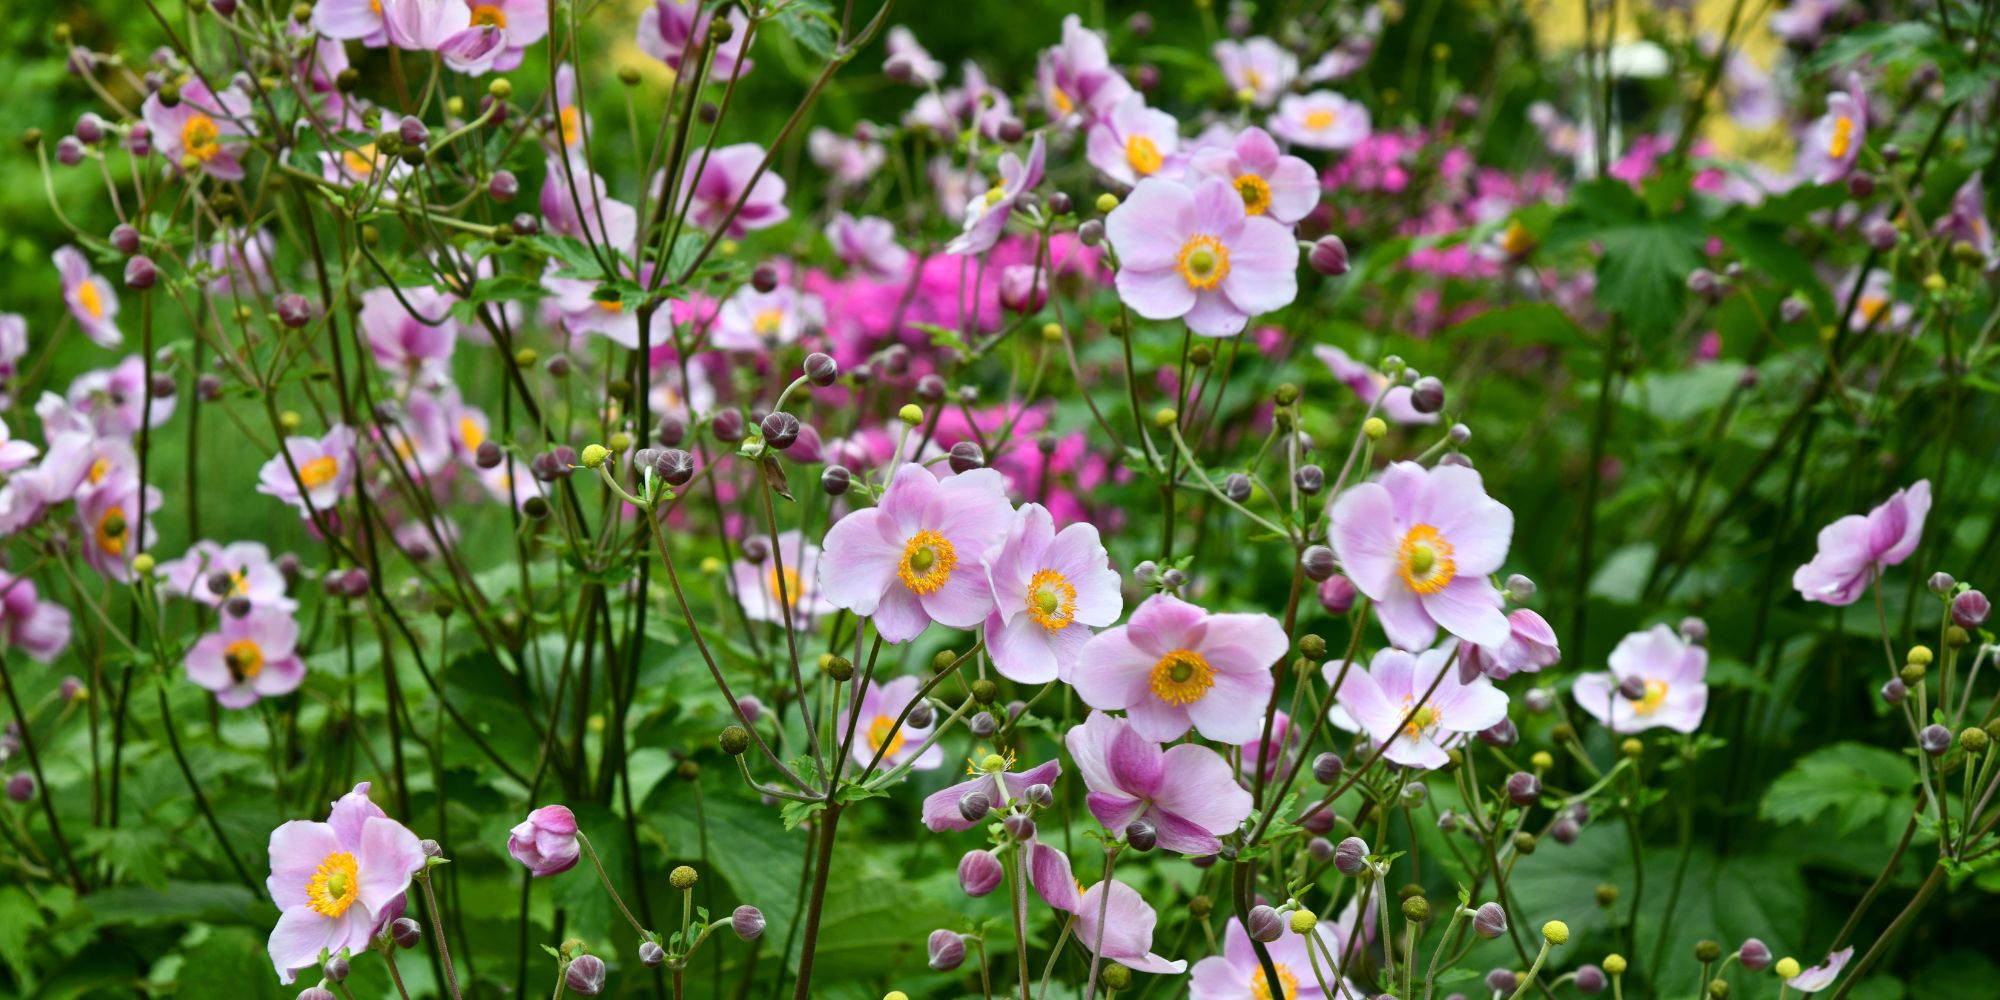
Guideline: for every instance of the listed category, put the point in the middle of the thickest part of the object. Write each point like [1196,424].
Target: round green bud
[1375,428]
[1614,964]
[619,443]
[1632,748]
[1956,637]
[1200,906]
[1303,921]
[1555,932]
[943,661]
[1287,394]
[1524,843]
[1707,951]
[1718,989]
[840,668]
[1607,895]
[1919,655]
[911,414]
[594,455]
[501,89]
[1115,977]
[1165,417]
[1913,674]
[1052,332]
[1202,356]
[984,691]
[1972,738]
[683,877]
[1416,909]
[1312,646]
[734,740]
[1542,760]
[142,565]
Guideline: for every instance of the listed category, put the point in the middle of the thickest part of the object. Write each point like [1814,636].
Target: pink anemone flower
[325,468]
[252,657]
[1134,141]
[204,130]
[1854,550]
[1050,589]
[914,558]
[1124,933]
[1421,544]
[986,212]
[546,842]
[1175,666]
[337,883]
[1531,645]
[868,244]
[36,627]
[15,454]
[410,331]
[243,569]
[1656,679]
[1371,386]
[91,299]
[1285,188]
[1439,707]
[1320,120]
[1831,145]
[117,524]
[1258,69]
[1076,77]
[668,29]
[1188,792]
[764,591]
[1196,254]
[876,731]
[1821,976]
[708,192]
[1236,974]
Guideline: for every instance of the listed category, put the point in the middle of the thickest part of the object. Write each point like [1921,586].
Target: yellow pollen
[1051,600]
[1843,138]
[335,886]
[239,584]
[375,5]
[1319,121]
[995,193]
[1424,560]
[1143,154]
[90,298]
[1061,100]
[1256,194]
[98,470]
[982,762]
[111,531]
[244,658]
[319,472]
[1253,79]
[879,730]
[1288,984]
[766,323]
[484,14]
[572,125]
[1872,307]
[1516,241]
[1656,695]
[928,559]
[200,137]
[790,592]
[1182,677]
[1203,262]
[1425,719]
[359,162]
[470,432]
[611,305]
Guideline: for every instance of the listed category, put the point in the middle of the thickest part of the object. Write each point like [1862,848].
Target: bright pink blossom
[1414,705]
[1134,142]
[1188,792]
[1531,645]
[324,466]
[1285,188]
[1422,543]
[876,731]
[1236,974]
[337,883]
[1320,120]
[1050,589]
[546,841]
[1257,68]
[1125,933]
[1195,254]
[248,658]
[1854,549]
[204,131]
[914,558]
[91,299]
[1666,672]
[1174,665]
[36,627]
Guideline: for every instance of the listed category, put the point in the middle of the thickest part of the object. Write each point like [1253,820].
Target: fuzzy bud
[780,429]
[406,933]
[1265,924]
[1317,561]
[1502,981]
[947,950]
[974,807]
[141,273]
[1523,788]
[1142,835]
[747,922]
[1328,256]
[921,715]
[979,872]
[1754,955]
[683,877]
[733,740]
[651,955]
[1416,909]
[1555,932]
[1974,740]
[1236,487]
[967,456]
[821,370]
[1501,734]
[1881,235]
[1427,396]
[21,787]
[1707,951]
[1969,610]
[1590,979]
[1489,921]
[585,975]
[835,480]
[1350,857]
[1326,770]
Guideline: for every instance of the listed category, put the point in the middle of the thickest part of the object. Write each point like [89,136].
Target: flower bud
[336,969]
[1090,232]
[413,132]
[921,715]
[503,185]
[1041,795]
[1318,819]
[1969,610]
[1755,955]
[1310,479]
[947,950]
[585,976]
[1326,770]
[683,877]
[1590,979]
[487,455]
[1502,981]
[979,872]
[406,933]
[21,787]
[674,466]
[1489,921]
[1707,951]
[1265,924]
[1328,256]
[651,955]
[780,429]
[1427,396]
[1565,830]
[1416,909]
[1501,734]
[1236,487]
[1336,594]
[1523,788]
[125,239]
[967,456]
[1974,740]
[974,807]
[747,922]
[1350,857]
[1019,826]
[983,725]
[727,426]
[835,480]
[1317,561]
[141,273]
[764,278]
[1934,739]
[1142,835]
[317,993]
[1321,848]
[821,370]
[733,740]
[1555,932]
[1881,235]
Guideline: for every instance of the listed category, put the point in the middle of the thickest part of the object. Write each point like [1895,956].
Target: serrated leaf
[1858,782]
[811,24]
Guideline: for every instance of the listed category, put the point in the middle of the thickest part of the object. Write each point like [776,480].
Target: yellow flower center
[98,470]
[995,193]
[1256,194]
[1253,79]
[1182,677]
[766,323]
[200,137]
[1424,560]
[789,594]
[1872,307]
[572,125]
[111,531]
[1288,984]
[359,162]
[239,584]
[484,14]
[333,888]
[470,432]
[1203,262]
[1422,721]
[928,559]
[982,762]
[1061,100]
[1656,695]
[1516,241]
[881,729]
[1843,138]
[244,658]
[90,298]
[319,472]
[1051,600]
[1320,121]
[1143,154]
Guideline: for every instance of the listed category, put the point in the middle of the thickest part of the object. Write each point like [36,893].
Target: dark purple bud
[487,455]
[1090,233]
[69,151]
[140,274]
[294,310]
[1942,583]
[237,607]
[1755,955]
[727,426]
[1310,479]
[1590,979]
[125,239]
[1565,830]
[747,922]
[1142,835]
[764,278]
[1236,487]
[1011,130]
[947,950]
[821,369]
[1702,281]
[406,933]
[1694,630]
[208,387]
[671,430]
[1502,981]
[835,480]
[967,456]
[1317,561]
[317,993]
[1969,610]
[585,976]
[1327,768]
[1860,185]
[651,955]
[1337,594]
[139,139]
[21,787]
[1427,396]
[413,131]
[1881,235]
[355,582]
[974,807]
[90,128]
[503,186]
[1019,826]
[675,466]
[1523,788]
[1632,689]
[1793,309]
[1502,734]
[979,872]
[1329,256]
[1139,24]
[781,430]
[547,467]
[525,224]
[1934,739]
[1146,77]
[1350,856]
[220,582]
[930,388]
[1489,921]
[756,548]
[1320,848]
[1041,795]
[1060,203]
[336,969]
[1265,924]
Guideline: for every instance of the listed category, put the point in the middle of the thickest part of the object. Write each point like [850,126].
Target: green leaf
[1860,783]
[811,24]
